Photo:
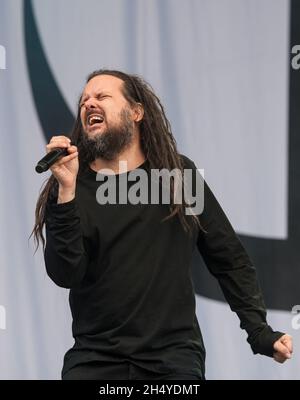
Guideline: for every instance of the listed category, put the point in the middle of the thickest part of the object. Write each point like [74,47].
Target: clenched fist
[283,348]
[65,169]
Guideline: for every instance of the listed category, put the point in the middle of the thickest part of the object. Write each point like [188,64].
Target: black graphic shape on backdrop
[53,112]
[277,261]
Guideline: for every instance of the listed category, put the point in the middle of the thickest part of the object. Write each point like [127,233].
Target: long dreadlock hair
[157,142]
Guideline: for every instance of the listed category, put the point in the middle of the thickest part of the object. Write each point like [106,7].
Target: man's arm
[65,256]
[228,261]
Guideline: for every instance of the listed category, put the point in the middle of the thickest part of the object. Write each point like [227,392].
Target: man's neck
[131,158]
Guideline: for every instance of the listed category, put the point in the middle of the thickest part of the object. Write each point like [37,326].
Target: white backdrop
[221,69]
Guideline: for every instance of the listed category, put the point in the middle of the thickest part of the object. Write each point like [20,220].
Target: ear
[138,112]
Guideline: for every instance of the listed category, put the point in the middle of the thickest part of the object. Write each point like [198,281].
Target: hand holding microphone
[50,158]
[62,160]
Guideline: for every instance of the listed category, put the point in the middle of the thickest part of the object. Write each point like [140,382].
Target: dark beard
[108,144]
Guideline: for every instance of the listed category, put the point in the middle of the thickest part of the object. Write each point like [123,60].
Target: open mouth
[94,120]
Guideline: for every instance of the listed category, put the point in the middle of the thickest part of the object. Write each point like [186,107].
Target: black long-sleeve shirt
[129,274]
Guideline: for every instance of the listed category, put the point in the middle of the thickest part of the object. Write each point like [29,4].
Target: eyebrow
[85,96]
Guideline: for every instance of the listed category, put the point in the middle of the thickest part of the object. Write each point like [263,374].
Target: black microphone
[49,159]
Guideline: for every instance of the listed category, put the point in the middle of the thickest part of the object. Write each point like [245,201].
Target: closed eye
[99,96]
[102,96]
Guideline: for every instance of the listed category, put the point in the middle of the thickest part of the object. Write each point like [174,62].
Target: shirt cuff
[54,206]
[61,214]
[263,341]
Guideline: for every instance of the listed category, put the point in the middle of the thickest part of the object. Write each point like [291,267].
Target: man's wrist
[262,341]
[65,195]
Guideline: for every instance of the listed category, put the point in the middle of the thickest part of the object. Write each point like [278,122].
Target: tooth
[95,118]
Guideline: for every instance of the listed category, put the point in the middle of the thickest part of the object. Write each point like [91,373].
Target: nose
[90,103]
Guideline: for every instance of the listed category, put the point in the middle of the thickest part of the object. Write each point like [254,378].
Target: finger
[60,138]
[281,348]
[284,354]
[72,149]
[65,159]
[56,144]
[287,341]
[281,357]
[59,164]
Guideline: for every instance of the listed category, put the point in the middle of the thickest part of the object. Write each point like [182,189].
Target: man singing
[128,265]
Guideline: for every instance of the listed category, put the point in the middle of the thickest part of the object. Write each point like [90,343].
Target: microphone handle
[49,159]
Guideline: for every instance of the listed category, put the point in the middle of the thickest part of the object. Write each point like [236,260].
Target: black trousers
[120,371]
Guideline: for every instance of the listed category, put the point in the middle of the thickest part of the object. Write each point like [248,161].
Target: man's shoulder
[187,162]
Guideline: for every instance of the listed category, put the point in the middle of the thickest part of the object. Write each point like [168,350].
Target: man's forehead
[102,83]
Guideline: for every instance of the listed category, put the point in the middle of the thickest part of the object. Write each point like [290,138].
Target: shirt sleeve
[228,261]
[65,256]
